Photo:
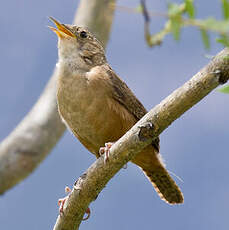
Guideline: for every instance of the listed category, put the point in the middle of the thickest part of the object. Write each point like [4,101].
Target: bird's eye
[83,34]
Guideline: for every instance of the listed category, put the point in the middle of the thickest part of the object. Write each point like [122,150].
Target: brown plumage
[98,107]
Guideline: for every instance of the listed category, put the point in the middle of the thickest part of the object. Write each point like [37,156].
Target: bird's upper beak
[62,30]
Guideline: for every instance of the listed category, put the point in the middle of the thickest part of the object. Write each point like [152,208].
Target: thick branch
[88,186]
[32,140]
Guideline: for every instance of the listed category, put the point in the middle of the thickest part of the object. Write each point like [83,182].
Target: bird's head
[78,46]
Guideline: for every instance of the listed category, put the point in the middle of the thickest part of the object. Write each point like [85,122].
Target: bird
[98,106]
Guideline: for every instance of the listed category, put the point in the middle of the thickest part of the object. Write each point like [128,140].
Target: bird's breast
[90,112]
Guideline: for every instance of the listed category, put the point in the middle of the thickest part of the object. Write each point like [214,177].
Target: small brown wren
[98,107]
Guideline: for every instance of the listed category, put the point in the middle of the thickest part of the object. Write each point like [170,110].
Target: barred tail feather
[165,186]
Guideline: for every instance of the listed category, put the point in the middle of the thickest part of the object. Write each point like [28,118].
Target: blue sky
[195,147]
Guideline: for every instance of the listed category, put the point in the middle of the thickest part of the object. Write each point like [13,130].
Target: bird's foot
[106,151]
[62,201]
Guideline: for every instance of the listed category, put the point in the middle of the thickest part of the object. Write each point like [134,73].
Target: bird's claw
[106,151]
[62,201]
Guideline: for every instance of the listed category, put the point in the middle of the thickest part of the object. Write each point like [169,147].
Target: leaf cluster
[184,15]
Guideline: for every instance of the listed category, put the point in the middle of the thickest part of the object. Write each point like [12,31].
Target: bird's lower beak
[61,30]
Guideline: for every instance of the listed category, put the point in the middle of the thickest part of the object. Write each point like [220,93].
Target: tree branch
[89,185]
[36,135]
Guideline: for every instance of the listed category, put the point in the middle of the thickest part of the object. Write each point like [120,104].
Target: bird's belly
[92,118]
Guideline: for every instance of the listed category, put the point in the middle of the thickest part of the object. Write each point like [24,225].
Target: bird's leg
[106,151]
[62,201]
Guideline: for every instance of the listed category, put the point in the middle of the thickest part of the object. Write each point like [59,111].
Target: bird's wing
[126,98]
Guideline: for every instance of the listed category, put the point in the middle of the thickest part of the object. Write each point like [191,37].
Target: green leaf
[173,9]
[224,40]
[214,25]
[190,9]
[205,38]
[139,9]
[224,89]
[174,12]
[175,27]
[225,9]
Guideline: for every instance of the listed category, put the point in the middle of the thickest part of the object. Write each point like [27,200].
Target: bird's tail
[165,186]
[156,172]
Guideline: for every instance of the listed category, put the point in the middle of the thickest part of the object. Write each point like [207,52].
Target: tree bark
[33,139]
[90,184]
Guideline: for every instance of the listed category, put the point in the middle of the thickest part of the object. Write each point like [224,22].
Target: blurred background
[195,147]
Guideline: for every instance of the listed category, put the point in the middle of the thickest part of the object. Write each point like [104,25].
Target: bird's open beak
[61,30]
